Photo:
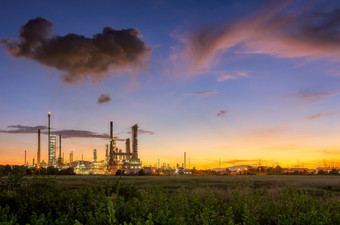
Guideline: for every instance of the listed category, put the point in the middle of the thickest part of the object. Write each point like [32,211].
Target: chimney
[94,155]
[127,144]
[71,156]
[111,144]
[49,140]
[38,155]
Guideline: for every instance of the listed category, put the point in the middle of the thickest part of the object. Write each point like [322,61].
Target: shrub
[39,200]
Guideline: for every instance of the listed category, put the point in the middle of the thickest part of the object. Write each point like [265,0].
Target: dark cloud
[308,96]
[3,42]
[82,134]
[104,98]
[141,131]
[18,129]
[80,57]
[201,93]
[79,134]
[222,113]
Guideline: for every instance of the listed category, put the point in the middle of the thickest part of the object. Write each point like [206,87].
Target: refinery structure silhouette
[115,159]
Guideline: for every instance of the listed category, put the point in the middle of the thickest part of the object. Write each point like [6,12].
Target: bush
[39,200]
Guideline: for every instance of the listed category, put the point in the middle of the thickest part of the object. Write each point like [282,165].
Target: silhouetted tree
[19,170]
[120,173]
[68,171]
[52,170]
[141,172]
[322,172]
[334,172]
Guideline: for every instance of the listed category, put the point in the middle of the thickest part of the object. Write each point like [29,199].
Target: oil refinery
[115,159]
[119,162]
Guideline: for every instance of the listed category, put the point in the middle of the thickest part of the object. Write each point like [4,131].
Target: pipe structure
[49,136]
[38,154]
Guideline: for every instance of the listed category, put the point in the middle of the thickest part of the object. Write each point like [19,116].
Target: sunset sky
[240,81]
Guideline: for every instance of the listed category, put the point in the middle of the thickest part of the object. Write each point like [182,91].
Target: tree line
[6,170]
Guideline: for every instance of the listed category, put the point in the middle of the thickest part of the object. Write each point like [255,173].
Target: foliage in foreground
[41,201]
[6,170]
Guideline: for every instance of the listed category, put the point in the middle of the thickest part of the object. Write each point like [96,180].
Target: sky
[240,82]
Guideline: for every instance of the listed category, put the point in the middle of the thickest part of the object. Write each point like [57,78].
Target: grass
[171,200]
[273,181]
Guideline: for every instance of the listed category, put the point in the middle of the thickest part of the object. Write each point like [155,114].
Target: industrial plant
[118,160]
[127,162]
[115,159]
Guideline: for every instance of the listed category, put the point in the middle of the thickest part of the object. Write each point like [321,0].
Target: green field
[171,200]
[180,182]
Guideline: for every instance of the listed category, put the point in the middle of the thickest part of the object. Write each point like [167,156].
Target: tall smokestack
[38,154]
[127,144]
[71,157]
[185,160]
[59,149]
[111,130]
[49,139]
[94,155]
[25,158]
[135,141]
[111,144]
